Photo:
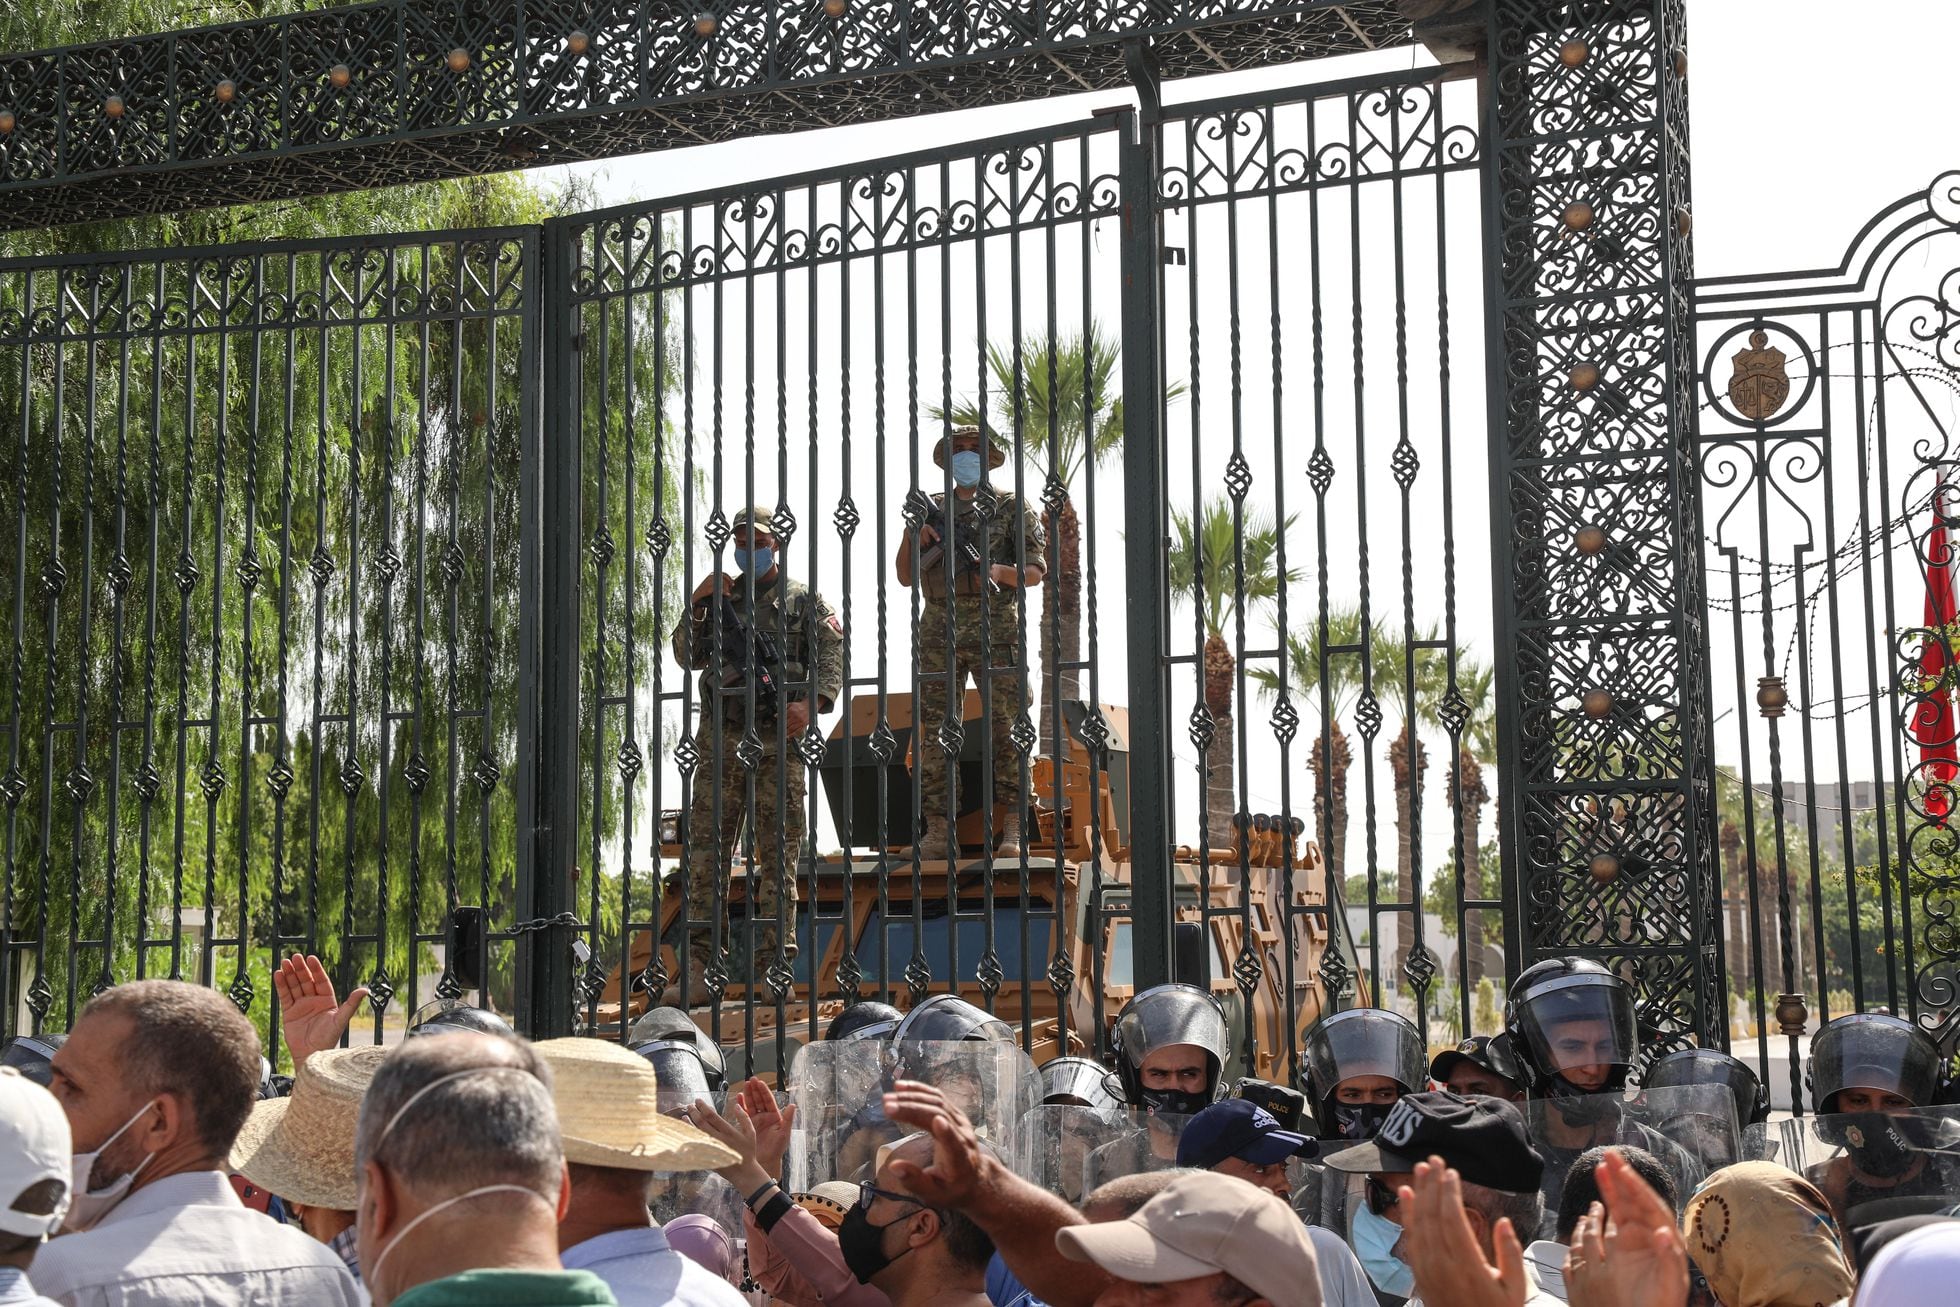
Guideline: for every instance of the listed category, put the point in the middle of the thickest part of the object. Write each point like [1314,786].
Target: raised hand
[309,1014]
[736,1131]
[1442,1248]
[772,1125]
[959,1164]
[1633,1255]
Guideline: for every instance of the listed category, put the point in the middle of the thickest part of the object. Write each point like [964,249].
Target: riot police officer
[1868,1071]
[1358,1063]
[1077,1082]
[687,1064]
[1169,1045]
[446,1016]
[968,555]
[1708,1066]
[864,1019]
[748,707]
[1573,1029]
[33,1056]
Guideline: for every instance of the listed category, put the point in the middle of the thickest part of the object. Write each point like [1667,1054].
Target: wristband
[767,1185]
[773,1211]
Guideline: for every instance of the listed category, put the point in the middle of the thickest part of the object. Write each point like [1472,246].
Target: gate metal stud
[1684,222]
[578,42]
[1771,697]
[226,91]
[459,60]
[1574,52]
[1681,63]
[1597,702]
[6,122]
[835,8]
[1584,376]
[1792,1013]
[705,24]
[113,106]
[1605,868]
[1578,215]
[1590,541]
[340,75]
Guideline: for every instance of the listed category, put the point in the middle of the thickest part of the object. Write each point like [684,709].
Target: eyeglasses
[869,1193]
[1381,1197]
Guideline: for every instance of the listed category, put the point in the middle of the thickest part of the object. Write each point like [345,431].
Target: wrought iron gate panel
[414,90]
[1316,306]
[1825,433]
[263,552]
[1608,823]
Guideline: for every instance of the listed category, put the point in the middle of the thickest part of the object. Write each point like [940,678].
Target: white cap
[34,1146]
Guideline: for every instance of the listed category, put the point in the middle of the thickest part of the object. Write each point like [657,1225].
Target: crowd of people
[149,1157]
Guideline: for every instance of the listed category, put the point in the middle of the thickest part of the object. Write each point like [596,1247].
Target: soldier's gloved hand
[796,716]
[711,583]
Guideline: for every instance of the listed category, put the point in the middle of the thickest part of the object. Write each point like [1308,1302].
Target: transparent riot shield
[1691,1129]
[677,1193]
[1875,1166]
[839,1093]
[1143,1142]
[1055,1144]
[1762,1142]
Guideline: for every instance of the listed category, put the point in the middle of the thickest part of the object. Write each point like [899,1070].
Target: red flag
[1933,723]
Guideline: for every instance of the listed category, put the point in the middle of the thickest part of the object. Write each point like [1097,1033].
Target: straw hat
[609,1111]
[302,1147]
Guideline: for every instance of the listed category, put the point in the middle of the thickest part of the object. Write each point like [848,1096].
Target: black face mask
[1360,1122]
[1876,1145]
[1175,1102]
[862,1244]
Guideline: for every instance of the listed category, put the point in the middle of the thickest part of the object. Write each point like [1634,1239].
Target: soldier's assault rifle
[967,558]
[749,657]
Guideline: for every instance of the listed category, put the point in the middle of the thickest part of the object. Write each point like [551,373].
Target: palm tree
[1215,566]
[1476,746]
[1413,686]
[1311,670]
[1068,390]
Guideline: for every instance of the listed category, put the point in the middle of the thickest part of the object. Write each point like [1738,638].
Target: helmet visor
[1874,1052]
[947,1019]
[1365,1042]
[1577,1021]
[1076,1081]
[1167,1015]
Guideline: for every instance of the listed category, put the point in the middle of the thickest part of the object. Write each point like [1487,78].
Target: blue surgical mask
[1374,1239]
[966,467]
[757,561]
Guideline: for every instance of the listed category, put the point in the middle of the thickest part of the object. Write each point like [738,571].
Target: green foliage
[1228,555]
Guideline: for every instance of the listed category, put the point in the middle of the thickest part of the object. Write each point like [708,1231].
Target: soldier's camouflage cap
[755,515]
[995,454]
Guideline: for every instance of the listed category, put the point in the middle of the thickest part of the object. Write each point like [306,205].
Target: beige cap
[302,1147]
[1200,1225]
[609,1111]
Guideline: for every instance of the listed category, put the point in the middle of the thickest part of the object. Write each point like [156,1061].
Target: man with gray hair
[156,1081]
[462,1180]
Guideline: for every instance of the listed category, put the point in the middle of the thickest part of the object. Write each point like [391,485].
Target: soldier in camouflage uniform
[810,641]
[1013,554]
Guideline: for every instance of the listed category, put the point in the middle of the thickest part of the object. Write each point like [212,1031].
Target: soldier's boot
[1008,844]
[697,994]
[936,845]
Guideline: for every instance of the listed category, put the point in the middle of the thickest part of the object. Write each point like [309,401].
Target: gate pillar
[1607,830]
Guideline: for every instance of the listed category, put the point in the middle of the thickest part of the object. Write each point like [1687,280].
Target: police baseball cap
[1491,1052]
[1237,1128]
[1482,1139]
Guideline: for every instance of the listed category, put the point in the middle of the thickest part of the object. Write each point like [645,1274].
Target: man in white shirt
[34,1152]
[156,1080]
[615,1140]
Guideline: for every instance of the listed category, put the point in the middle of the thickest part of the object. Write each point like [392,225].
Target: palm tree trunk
[1471,796]
[1060,638]
[1221,788]
[1408,793]
[1329,757]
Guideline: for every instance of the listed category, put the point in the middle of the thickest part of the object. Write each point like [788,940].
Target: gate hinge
[1174,254]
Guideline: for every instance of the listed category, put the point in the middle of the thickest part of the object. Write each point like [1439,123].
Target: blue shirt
[1004,1288]
[643,1270]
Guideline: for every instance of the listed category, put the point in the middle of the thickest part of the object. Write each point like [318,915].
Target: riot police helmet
[33,1056]
[866,1020]
[686,1063]
[446,1016]
[948,1018]
[1711,1066]
[1873,1051]
[1161,1018]
[1377,1055]
[1077,1082]
[1573,1028]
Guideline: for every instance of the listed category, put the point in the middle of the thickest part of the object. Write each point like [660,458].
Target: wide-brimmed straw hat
[302,1147]
[609,1112]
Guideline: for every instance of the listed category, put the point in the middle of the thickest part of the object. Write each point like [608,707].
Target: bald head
[1124,1196]
[452,1114]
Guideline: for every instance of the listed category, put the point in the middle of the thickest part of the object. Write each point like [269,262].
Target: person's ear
[378,1196]
[564,1192]
[920,1235]
[171,1123]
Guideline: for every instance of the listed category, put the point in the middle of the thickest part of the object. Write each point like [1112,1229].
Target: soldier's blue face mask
[966,467]
[756,561]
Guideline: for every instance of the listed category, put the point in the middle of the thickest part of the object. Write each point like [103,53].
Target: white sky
[1804,127]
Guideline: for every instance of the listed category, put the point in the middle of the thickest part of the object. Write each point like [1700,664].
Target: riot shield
[1762,1142]
[1875,1166]
[1143,1142]
[839,1092]
[1690,1128]
[1055,1144]
[676,1193]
